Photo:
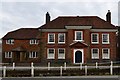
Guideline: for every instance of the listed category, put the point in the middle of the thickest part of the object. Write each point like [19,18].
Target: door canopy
[20,49]
[78,44]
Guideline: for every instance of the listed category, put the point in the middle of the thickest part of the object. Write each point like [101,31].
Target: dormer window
[10,41]
[78,36]
[33,41]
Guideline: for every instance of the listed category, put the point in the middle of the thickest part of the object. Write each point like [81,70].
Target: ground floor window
[50,53]
[95,53]
[8,54]
[32,54]
[61,53]
[105,53]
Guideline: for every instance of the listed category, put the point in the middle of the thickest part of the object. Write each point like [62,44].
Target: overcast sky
[15,14]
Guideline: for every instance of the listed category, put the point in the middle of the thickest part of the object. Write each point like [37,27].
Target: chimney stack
[108,16]
[47,17]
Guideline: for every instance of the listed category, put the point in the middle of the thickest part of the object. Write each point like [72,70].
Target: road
[68,78]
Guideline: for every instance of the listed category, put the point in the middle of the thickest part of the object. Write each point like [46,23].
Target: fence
[61,69]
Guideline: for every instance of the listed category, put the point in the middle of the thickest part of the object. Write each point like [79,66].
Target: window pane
[51,37]
[50,53]
[61,53]
[33,41]
[10,41]
[8,54]
[78,35]
[95,54]
[32,54]
[61,37]
[29,54]
[95,51]
[105,38]
[105,53]
[94,38]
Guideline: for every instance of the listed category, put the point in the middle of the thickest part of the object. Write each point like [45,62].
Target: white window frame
[48,54]
[92,53]
[10,41]
[108,57]
[33,41]
[62,53]
[8,54]
[92,38]
[81,35]
[59,36]
[107,38]
[31,54]
[48,38]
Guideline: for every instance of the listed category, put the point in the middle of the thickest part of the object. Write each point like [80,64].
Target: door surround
[75,50]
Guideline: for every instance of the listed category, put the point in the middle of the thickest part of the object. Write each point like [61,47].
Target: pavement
[66,78]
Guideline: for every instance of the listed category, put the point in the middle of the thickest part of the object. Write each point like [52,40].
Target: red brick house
[21,45]
[71,39]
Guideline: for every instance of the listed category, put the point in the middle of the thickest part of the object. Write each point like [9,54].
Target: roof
[62,21]
[22,33]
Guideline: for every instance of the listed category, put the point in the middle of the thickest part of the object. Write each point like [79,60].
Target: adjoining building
[71,39]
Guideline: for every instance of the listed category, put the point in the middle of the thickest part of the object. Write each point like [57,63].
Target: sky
[15,14]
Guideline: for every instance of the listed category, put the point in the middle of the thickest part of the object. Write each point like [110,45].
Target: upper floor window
[95,53]
[94,38]
[61,38]
[8,54]
[78,35]
[61,53]
[51,38]
[32,54]
[33,41]
[50,53]
[105,38]
[106,53]
[10,41]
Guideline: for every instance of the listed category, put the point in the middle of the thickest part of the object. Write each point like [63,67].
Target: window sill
[78,40]
[94,43]
[50,43]
[105,43]
[61,58]
[105,58]
[8,58]
[50,58]
[9,44]
[61,43]
[34,44]
[33,58]
[95,58]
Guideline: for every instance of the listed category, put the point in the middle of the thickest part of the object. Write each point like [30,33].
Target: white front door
[78,56]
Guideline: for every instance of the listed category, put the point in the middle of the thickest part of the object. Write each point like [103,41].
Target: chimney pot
[108,16]
[47,17]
